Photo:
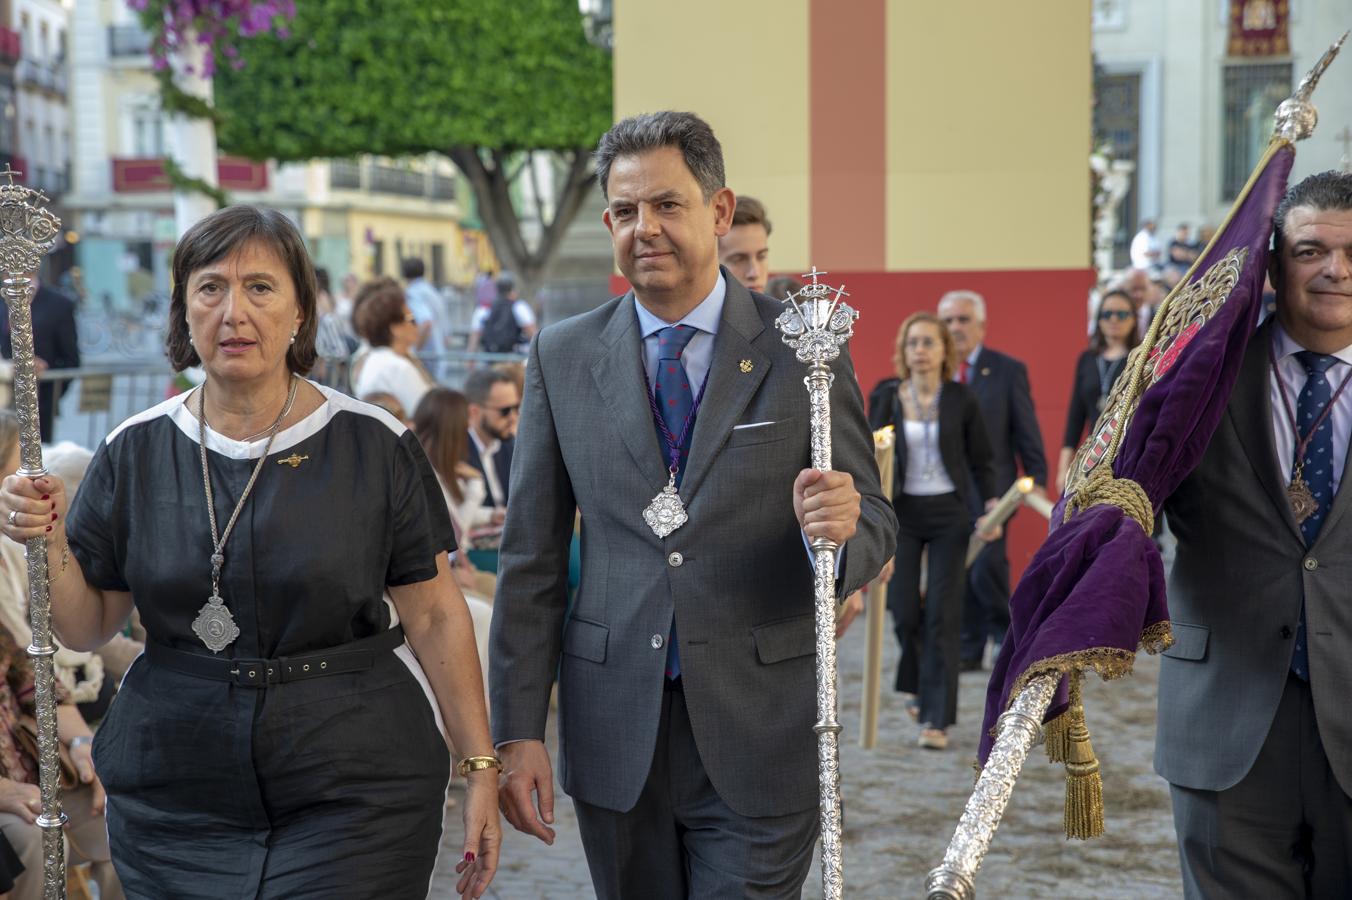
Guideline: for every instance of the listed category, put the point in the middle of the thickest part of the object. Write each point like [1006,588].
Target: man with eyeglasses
[494,411]
[1000,383]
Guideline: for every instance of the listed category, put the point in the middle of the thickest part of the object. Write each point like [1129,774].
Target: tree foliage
[482,81]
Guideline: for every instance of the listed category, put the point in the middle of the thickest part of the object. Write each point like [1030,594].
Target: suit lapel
[1343,498]
[730,389]
[1251,411]
[622,383]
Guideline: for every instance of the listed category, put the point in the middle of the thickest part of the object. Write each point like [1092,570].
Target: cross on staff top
[10,173]
[813,274]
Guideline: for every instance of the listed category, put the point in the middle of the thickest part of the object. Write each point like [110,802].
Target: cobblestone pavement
[902,804]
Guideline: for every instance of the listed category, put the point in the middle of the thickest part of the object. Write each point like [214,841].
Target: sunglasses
[1120,315]
[505,411]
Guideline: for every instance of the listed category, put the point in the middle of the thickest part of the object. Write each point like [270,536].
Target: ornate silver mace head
[27,229]
[1296,117]
[815,323]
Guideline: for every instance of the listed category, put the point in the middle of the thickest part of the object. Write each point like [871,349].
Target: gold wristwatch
[475,763]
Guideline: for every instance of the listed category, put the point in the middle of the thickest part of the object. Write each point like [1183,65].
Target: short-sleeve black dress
[325,788]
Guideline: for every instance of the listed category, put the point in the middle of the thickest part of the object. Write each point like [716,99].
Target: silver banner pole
[27,232]
[816,324]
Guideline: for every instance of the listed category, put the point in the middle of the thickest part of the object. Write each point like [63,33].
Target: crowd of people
[282,581]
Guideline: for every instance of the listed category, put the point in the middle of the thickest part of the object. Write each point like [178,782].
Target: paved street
[902,803]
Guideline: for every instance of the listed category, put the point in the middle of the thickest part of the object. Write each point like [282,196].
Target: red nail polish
[53,517]
[46,496]
[49,528]
[469,857]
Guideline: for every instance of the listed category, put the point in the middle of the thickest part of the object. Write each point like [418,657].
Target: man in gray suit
[1255,728]
[685,667]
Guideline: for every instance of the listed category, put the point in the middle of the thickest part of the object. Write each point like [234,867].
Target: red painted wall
[1036,316]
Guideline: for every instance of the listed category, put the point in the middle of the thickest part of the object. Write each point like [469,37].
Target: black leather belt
[355,656]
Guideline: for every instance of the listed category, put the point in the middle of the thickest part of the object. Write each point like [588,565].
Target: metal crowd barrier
[96,398]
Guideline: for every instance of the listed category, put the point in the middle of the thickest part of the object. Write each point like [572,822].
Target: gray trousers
[682,841]
[1284,831]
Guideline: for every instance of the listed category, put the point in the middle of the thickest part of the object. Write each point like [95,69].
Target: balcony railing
[392,180]
[46,76]
[344,173]
[132,176]
[381,178]
[128,40]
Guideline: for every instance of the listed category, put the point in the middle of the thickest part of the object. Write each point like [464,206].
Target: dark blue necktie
[1317,470]
[671,388]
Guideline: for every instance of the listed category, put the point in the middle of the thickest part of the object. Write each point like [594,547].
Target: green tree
[488,83]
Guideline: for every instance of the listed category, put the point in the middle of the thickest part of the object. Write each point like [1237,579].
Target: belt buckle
[255,673]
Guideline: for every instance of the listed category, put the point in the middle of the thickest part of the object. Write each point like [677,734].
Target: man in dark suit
[1254,730]
[686,664]
[55,346]
[494,410]
[1001,386]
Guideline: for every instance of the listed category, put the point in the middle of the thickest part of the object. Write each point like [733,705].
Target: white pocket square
[751,425]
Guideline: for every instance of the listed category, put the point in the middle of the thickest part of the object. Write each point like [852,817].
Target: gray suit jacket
[1234,598]
[736,576]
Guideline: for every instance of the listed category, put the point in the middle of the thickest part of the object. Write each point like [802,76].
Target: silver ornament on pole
[817,324]
[27,232]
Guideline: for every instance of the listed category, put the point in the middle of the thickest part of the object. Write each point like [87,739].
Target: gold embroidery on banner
[1177,322]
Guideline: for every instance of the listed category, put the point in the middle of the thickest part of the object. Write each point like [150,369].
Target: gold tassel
[1084,784]
[1054,737]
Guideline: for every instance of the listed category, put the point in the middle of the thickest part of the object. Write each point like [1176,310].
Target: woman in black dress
[308,652]
[1115,335]
[941,449]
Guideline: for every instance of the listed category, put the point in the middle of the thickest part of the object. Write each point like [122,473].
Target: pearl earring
[293,336]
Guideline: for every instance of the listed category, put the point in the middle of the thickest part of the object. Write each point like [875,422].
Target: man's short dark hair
[1326,190]
[412,268]
[750,211]
[685,131]
[480,383]
[221,235]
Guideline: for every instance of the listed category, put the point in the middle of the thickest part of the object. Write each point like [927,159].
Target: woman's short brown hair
[947,366]
[378,306]
[217,237]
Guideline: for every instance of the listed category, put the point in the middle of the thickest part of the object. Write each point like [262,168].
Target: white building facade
[1193,117]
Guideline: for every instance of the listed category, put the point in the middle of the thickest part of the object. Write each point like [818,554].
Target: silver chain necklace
[929,419]
[214,624]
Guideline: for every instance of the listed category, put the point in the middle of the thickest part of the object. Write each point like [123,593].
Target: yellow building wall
[988,135]
[739,65]
[988,119]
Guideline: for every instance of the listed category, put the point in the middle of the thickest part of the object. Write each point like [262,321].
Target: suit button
[1311,564]
[1286,632]
[674,560]
[657,642]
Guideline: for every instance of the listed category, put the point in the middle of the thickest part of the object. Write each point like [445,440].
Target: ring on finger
[12,514]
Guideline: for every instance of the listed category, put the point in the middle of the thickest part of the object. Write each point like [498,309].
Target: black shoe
[970,665]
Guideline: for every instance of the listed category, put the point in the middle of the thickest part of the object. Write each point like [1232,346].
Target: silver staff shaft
[816,324]
[818,383]
[52,820]
[1017,731]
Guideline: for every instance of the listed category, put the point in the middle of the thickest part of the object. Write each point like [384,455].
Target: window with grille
[1251,93]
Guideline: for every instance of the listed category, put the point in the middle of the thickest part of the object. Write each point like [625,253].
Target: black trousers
[1285,830]
[985,609]
[928,632]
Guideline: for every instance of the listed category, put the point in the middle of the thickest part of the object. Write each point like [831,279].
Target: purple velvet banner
[1094,591]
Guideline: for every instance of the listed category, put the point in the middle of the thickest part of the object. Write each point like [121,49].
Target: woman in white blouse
[381,316]
[441,422]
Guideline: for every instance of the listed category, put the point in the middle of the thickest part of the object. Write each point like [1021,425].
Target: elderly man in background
[1000,383]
